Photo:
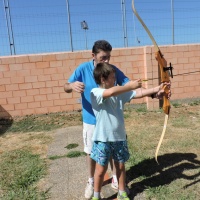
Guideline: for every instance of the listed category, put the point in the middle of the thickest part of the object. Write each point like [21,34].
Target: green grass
[178,173]
[45,122]
[175,178]
[20,170]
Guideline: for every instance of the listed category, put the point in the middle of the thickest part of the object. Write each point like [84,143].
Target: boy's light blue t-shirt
[109,115]
[84,73]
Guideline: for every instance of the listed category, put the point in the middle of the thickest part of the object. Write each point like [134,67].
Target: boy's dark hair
[101,45]
[102,70]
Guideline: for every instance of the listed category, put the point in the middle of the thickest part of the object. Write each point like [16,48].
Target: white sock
[114,178]
[91,180]
[97,195]
[120,192]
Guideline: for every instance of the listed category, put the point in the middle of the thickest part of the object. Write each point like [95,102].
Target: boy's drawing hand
[77,86]
[135,84]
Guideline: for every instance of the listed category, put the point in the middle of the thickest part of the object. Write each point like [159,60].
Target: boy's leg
[101,152]
[99,176]
[121,154]
[121,175]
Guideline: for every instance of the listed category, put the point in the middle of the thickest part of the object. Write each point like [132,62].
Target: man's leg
[91,166]
[88,130]
[114,183]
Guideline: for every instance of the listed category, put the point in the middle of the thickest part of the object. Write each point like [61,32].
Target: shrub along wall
[33,84]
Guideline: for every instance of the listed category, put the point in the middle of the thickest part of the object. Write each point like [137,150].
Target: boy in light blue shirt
[109,137]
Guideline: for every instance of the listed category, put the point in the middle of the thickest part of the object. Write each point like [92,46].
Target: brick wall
[33,84]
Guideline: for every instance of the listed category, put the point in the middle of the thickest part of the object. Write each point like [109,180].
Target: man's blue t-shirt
[84,73]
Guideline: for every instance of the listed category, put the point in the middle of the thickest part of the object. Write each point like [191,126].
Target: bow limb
[161,138]
[145,27]
[164,77]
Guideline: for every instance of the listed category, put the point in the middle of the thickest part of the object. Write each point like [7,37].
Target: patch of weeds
[176,104]
[71,146]
[180,122]
[141,110]
[195,103]
[126,115]
[20,171]
[57,157]
[71,154]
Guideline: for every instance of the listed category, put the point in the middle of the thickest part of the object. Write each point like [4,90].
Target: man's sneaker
[114,184]
[123,196]
[89,190]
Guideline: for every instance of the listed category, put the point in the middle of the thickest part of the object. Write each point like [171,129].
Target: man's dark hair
[101,45]
[102,70]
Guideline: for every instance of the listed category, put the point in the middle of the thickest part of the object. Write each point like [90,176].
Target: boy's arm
[142,92]
[158,91]
[116,90]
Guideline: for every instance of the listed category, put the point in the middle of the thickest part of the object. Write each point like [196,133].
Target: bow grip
[166,103]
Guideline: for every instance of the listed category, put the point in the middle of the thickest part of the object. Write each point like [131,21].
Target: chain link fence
[40,26]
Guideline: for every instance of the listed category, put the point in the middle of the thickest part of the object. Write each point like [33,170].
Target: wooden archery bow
[165,71]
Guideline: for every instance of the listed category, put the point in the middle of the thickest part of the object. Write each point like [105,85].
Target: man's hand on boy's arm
[76,86]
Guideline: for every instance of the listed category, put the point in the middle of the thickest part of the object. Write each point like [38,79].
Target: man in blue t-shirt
[82,81]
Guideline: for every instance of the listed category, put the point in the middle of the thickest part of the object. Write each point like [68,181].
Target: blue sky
[41,26]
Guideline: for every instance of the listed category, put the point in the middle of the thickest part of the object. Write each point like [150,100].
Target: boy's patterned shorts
[103,151]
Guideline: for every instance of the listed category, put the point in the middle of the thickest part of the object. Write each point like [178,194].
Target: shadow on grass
[170,168]
[6,120]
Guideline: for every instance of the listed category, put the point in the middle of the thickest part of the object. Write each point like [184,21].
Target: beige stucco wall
[33,84]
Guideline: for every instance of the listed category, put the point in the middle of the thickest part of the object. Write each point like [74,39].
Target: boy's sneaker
[94,198]
[123,196]
[89,190]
